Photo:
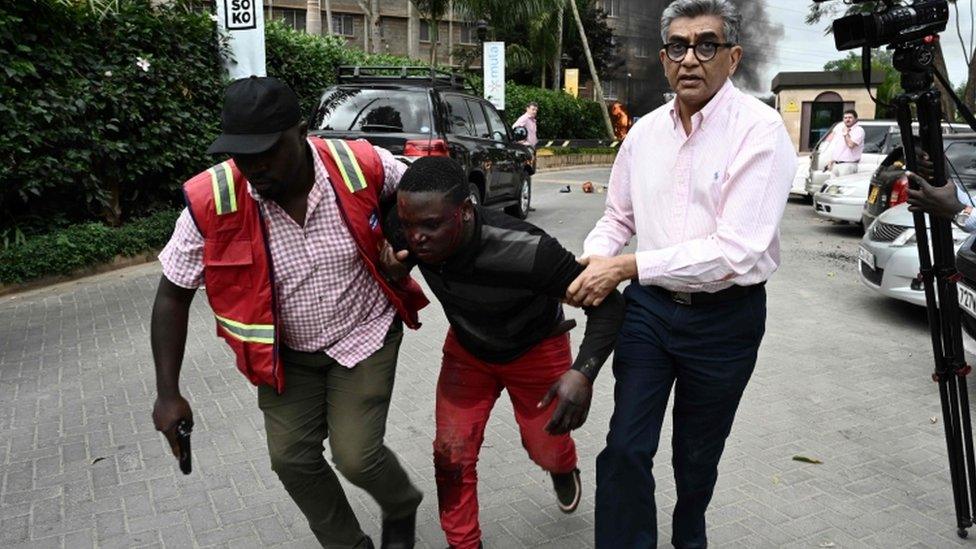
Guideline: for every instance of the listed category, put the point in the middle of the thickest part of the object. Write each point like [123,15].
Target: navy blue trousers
[708,354]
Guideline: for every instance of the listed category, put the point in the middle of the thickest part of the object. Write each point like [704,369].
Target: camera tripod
[938,269]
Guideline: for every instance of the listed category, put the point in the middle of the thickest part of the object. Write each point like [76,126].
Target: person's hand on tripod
[938,201]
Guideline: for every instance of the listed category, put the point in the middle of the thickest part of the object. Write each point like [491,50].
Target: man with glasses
[702,182]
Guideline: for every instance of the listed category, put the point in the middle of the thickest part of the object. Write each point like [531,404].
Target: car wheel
[474,193]
[521,210]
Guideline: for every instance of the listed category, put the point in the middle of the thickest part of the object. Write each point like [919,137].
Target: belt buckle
[684,298]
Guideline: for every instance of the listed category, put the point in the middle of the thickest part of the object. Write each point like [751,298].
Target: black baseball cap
[256,112]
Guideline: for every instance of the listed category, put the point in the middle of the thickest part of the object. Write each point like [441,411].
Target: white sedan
[842,198]
[800,179]
[888,255]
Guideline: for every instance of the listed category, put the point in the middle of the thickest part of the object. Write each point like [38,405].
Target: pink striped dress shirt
[705,206]
[841,151]
[327,300]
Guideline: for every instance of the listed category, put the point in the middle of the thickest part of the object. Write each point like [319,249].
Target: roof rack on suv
[390,73]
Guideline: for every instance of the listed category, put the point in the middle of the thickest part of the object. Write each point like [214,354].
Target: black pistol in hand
[183,430]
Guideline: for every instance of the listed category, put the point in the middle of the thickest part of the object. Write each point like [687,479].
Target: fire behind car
[415,112]
[889,186]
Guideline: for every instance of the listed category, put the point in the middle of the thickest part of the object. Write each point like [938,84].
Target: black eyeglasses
[704,51]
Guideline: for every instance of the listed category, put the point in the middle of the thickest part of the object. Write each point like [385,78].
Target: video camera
[895,24]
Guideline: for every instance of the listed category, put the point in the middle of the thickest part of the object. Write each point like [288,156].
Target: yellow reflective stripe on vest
[352,174]
[250,333]
[225,195]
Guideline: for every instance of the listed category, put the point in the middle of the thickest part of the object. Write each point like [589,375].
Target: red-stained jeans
[466,391]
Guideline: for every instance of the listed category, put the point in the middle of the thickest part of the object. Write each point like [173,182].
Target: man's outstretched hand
[601,276]
[573,391]
[938,201]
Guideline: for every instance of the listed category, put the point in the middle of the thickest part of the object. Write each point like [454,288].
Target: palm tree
[593,73]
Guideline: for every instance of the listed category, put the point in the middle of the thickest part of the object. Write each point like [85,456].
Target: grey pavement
[843,376]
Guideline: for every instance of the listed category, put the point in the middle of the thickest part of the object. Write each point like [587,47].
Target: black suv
[415,112]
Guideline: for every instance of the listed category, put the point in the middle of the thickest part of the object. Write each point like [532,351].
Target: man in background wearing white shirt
[845,152]
[702,182]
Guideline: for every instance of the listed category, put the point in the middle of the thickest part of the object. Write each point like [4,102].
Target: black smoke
[759,38]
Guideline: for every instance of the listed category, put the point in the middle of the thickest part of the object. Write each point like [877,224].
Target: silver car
[842,198]
[888,256]
[880,138]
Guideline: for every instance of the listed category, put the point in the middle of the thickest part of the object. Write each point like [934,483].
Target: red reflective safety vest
[238,271]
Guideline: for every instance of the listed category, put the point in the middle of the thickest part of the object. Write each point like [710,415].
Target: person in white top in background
[846,151]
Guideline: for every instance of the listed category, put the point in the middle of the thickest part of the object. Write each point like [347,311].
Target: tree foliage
[881,60]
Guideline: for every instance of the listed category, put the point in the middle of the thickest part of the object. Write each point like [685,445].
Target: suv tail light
[425,147]
[899,192]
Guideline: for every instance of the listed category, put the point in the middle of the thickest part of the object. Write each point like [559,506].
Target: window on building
[293,18]
[342,24]
[610,89]
[612,7]
[425,33]
[642,48]
[469,33]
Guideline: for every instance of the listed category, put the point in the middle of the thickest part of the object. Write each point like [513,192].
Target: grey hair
[696,8]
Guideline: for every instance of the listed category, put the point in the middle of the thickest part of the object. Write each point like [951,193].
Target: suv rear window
[874,138]
[374,111]
[961,157]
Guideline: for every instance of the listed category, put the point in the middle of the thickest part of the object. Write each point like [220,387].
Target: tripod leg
[944,268]
[948,395]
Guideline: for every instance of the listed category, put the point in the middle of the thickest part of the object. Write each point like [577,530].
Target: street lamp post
[481,31]
[629,100]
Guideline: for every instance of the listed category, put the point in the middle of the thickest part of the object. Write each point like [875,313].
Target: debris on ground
[564,189]
[806,459]
[588,187]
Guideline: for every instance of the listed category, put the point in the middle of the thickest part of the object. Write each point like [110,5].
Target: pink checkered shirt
[327,300]
[705,206]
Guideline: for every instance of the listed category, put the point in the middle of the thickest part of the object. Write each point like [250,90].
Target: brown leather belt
[694,299]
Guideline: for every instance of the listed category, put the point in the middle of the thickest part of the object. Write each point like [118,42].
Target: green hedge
[79,246]
[308,63]
[561,116]
[102,115]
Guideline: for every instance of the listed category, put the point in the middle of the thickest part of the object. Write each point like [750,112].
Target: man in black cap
[285,237]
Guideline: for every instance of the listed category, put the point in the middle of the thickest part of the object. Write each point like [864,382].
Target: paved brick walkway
[842,377]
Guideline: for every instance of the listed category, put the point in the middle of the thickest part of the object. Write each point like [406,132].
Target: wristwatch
[963,216]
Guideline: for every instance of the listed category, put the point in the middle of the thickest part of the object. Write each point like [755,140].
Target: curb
[118,263]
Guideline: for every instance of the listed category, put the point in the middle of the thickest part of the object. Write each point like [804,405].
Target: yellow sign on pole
[792,106]
[572,82]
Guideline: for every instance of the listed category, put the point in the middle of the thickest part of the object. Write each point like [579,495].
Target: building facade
[402,32]
[639,83]
[811,102]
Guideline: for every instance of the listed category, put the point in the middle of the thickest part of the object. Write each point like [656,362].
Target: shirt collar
[708,110]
